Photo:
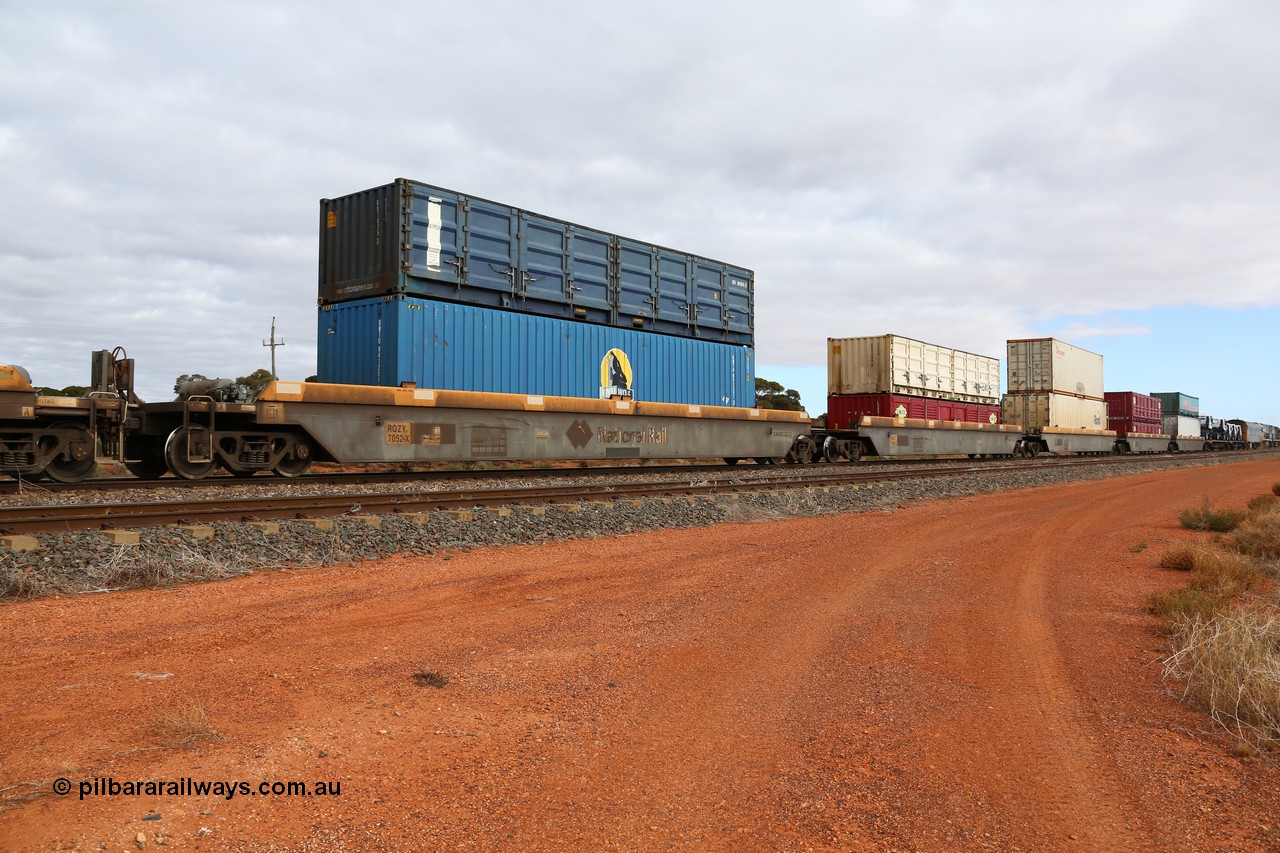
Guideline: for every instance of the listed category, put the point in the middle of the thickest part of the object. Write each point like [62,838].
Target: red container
[844,410]
[1131,406]
[1124,426]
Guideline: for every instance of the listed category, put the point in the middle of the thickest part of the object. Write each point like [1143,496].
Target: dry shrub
[1225,574]
[1275,488]
[1259,536]
[1208,518]
[19,585]
[185,724]
[1178,606]
[1263,504]
[1183,558]
[430,678]
[1230,665]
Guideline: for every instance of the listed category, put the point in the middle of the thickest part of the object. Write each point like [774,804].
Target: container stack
[893,376]
[1054,386]
[1180,414]
[1131,413]
[424,285]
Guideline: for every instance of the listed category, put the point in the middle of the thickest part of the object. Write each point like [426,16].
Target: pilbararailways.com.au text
[188,787]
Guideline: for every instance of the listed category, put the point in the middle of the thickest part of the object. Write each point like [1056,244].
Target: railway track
[135,514]
[360,478]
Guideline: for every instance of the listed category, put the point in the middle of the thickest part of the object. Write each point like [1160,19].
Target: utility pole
[273,344]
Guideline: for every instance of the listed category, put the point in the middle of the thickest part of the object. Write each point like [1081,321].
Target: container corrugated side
[1048,365]
[1177,403]
[1133,406]
[893,364]
[1180,426]
[415,239]
[1126,426]
[1060,411]
[844,410]
[392,340]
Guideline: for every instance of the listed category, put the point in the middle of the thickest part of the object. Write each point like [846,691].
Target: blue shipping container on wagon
[415,239]
[445,345]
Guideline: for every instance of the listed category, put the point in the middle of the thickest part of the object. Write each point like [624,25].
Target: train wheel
[804,451]
[175,455]
[298,463]
[731,460]
[831,450]
[78,467]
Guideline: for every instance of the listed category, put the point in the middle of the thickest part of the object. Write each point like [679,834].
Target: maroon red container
[844,410]
[1124,426]
[1131,406]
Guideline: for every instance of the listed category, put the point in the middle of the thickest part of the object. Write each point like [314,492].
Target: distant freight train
[454,328]
[289,425]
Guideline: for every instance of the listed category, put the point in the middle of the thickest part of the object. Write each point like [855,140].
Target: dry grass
[1226,574]
[1182,557]
[1208,518]
[1230,664]
[1263,504]
[430,678]
[1179,606]
[19,585]
[1275,488]
[1259,536]
[184,724]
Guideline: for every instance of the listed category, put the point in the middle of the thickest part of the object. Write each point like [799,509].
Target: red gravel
[963,674]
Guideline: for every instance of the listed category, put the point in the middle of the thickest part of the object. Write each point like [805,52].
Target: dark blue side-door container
[413,239]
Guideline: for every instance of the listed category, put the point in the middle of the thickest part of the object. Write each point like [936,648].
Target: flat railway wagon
[61,437]
[898,437]
[289,425]
[1142,443]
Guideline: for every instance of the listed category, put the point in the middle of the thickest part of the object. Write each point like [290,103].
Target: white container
[1056,411]
[1049,365]
[1181,426]
[893,364]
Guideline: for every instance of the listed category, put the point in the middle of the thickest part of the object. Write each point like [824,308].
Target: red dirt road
[967,674]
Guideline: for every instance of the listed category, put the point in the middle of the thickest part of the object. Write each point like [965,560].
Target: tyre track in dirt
[965,674]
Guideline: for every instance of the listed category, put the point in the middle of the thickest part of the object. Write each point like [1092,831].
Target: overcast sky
[962,173]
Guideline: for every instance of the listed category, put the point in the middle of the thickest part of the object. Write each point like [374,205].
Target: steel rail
[105,484]
[65,517]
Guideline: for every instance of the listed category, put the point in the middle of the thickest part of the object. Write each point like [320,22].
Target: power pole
[273,344]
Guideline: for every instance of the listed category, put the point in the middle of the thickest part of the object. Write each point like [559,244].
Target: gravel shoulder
[970,673]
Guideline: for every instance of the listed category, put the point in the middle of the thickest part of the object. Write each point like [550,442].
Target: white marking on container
[434,221]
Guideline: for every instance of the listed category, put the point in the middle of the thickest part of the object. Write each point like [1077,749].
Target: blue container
[410,238]
[396,339]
